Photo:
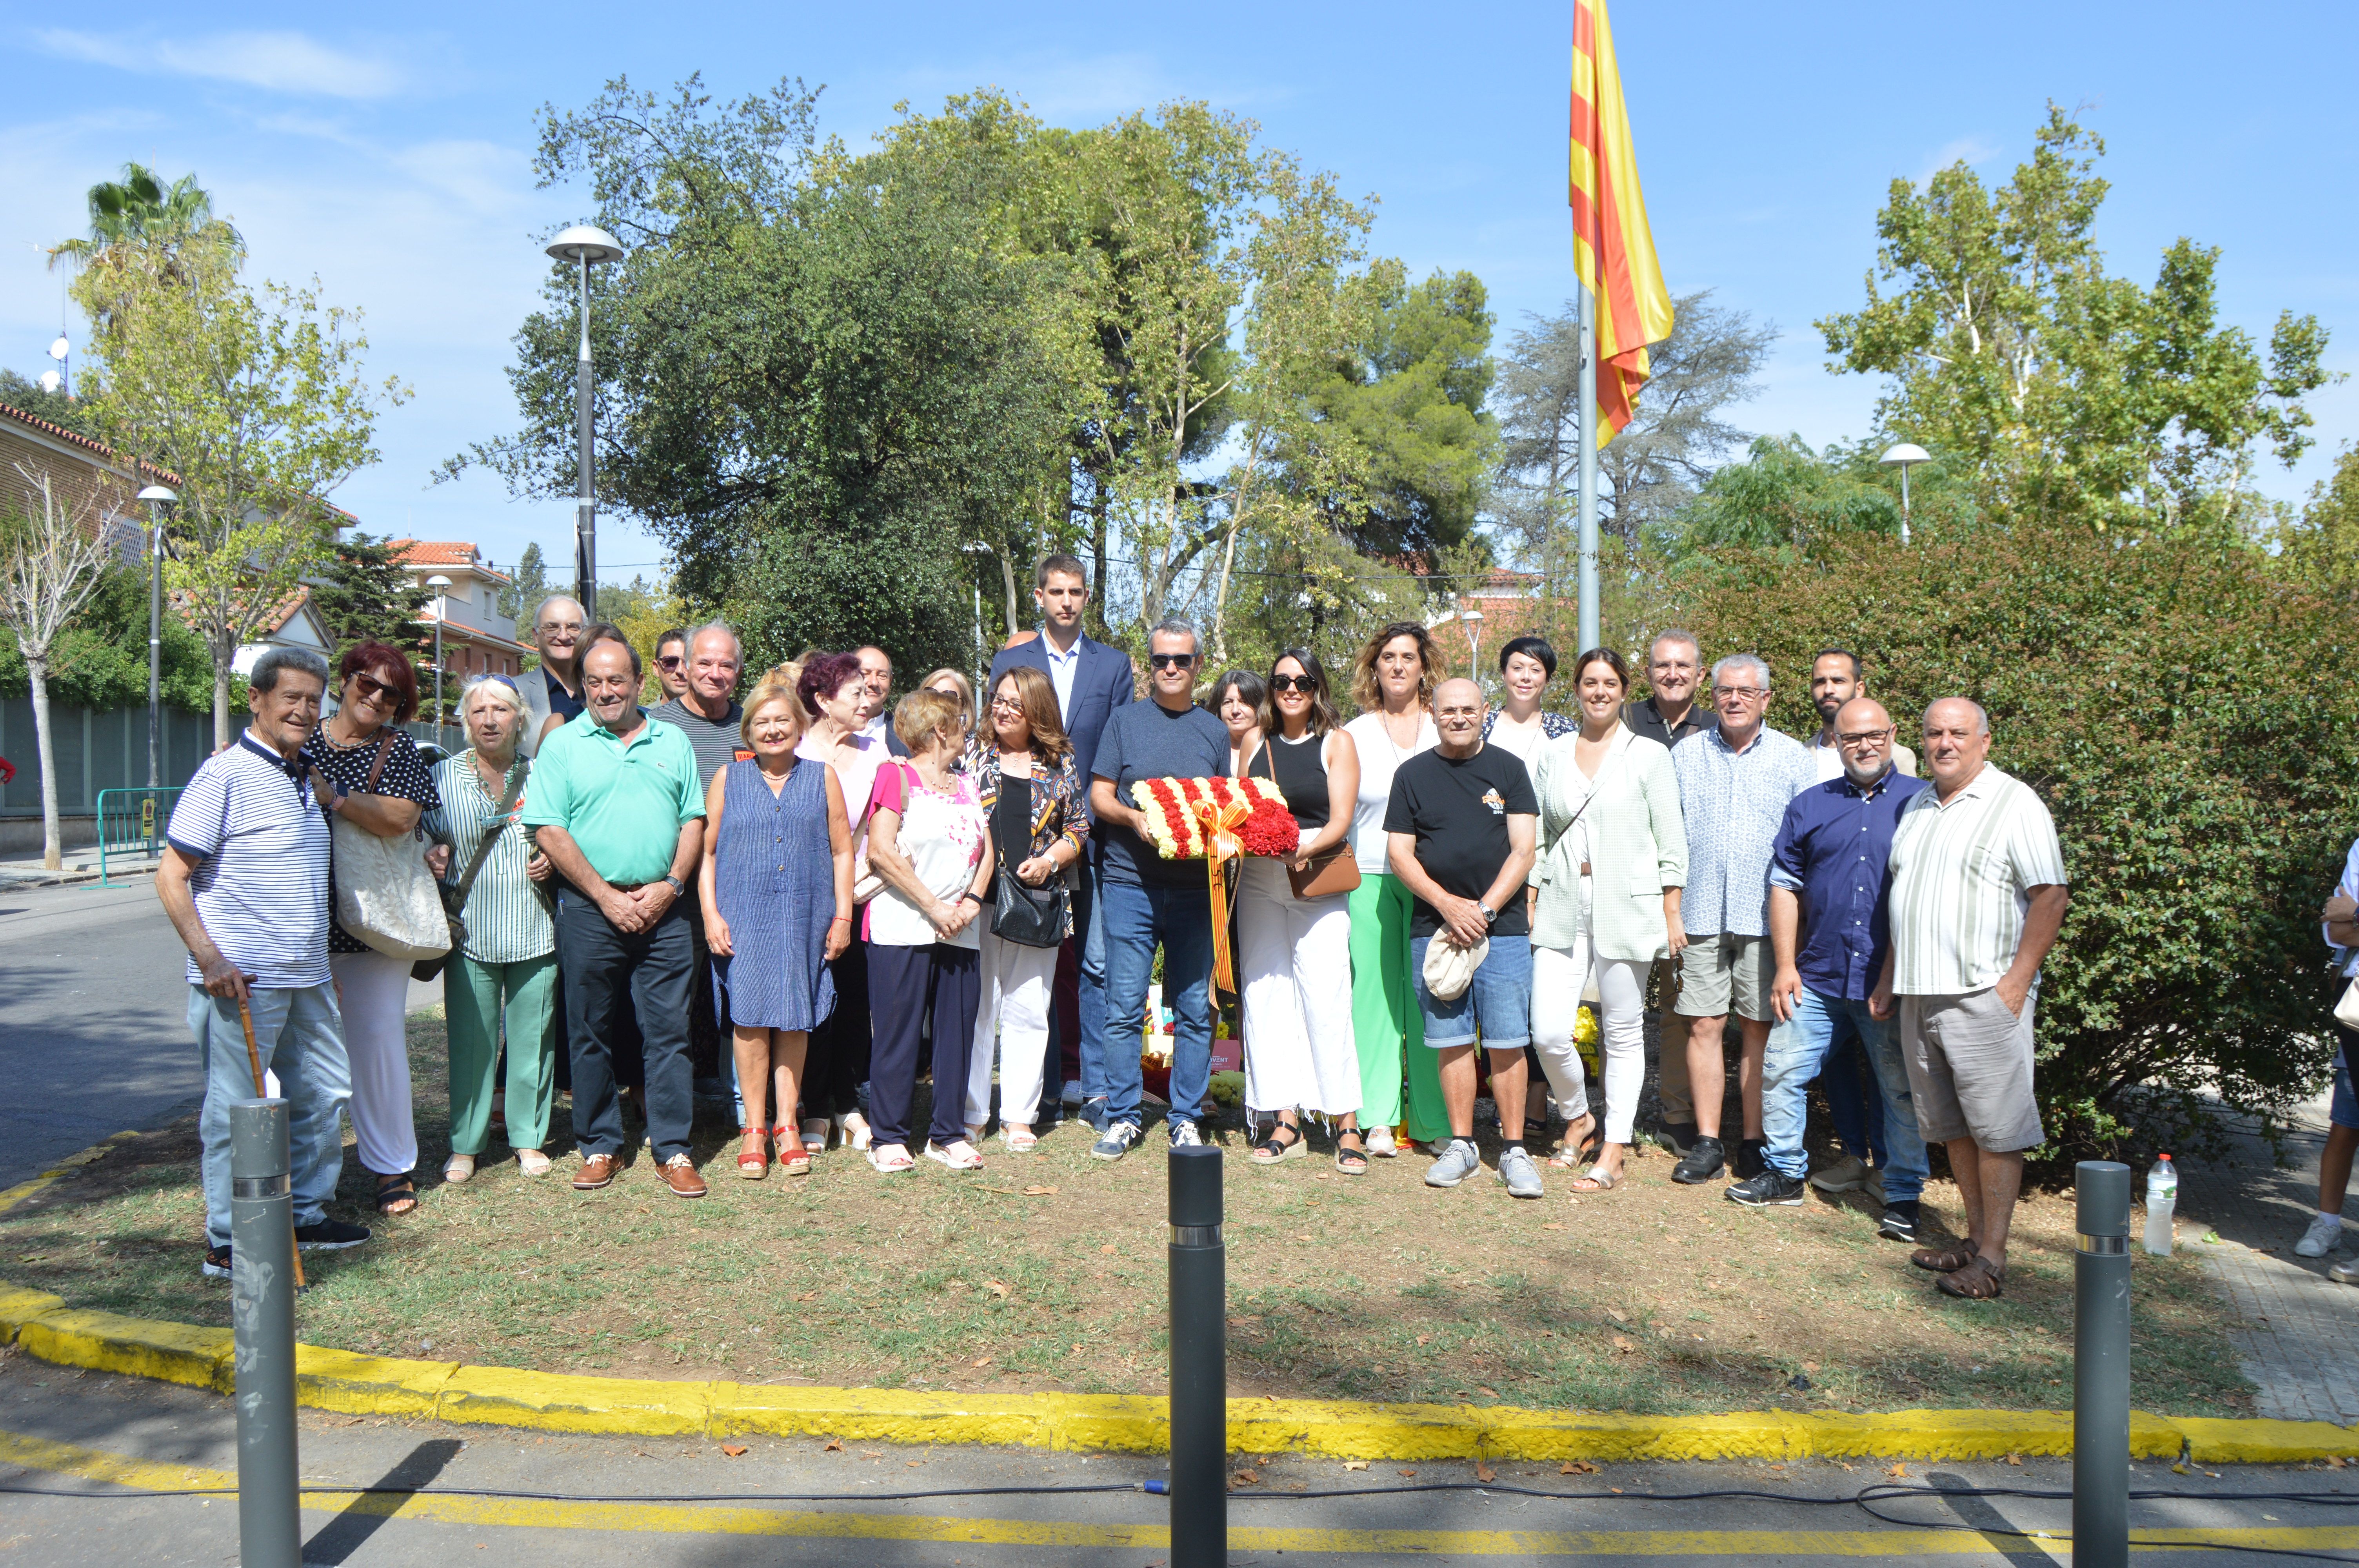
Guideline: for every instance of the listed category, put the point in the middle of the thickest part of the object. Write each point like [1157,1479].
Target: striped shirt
[1734,803]
[1963,871]
[507,914]
[261,883]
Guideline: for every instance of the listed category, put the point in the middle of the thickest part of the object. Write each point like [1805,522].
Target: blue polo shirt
[260,842]
[1832,850]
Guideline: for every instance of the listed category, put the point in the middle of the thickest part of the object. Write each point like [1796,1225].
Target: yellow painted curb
[44,1326]
[58,1172]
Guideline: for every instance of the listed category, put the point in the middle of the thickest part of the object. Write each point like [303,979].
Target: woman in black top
[380,690]
[1023,770]
[1294,953]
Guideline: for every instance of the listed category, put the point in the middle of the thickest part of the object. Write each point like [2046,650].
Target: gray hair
[499,688]
[302,660]
[1177,626]
[1753,662]
[556,598]
[1981,715]
[1674,635]
[688,644]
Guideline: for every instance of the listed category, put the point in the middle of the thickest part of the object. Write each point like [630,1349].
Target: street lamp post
[158,499]
[1900,457]
[438,582]
[583,244]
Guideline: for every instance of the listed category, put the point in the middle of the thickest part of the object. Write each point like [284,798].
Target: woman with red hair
[382,784]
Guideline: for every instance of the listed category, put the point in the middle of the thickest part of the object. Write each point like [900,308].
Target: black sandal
[1271,1149]
[1352,1161]
[397,1194]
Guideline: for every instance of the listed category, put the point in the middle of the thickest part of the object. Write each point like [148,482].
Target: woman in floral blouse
[1037,831]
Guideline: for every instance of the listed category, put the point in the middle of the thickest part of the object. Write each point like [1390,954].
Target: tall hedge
[2190,718]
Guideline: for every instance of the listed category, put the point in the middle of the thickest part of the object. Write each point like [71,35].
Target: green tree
[66,413]
[2199,779]
[2321,545]
[2071,396]
[255,401]
[527,585]
[53,555]
[1787,499]
[363,594]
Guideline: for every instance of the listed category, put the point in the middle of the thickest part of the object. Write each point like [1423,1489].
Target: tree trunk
[36,672]
[1007,578]
[1098,590]
[221,671]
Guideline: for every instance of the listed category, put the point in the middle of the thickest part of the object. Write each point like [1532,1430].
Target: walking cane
[254,1056]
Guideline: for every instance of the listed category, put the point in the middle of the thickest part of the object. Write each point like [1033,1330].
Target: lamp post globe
[159,500]
[1900,457]
[585,246]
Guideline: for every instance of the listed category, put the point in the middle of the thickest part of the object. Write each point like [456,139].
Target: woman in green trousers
[506,971]
[1393,681]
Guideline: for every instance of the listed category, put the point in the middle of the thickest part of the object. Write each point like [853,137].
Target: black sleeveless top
[1301,776]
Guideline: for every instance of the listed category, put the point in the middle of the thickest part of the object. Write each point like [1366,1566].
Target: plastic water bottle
[2161,1198]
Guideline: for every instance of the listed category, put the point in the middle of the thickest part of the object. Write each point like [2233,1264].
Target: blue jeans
[1135,918]
[1799,1048]
[300,1036]
[1498,1003]
[1857,1115]
[1088,912]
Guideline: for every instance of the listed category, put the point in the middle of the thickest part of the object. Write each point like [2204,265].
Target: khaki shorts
[1970,1069]
[1715,971]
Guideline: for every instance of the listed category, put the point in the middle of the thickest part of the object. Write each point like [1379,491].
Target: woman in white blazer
[1613,858]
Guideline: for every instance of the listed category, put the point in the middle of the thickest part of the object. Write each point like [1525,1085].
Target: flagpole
[1587,506]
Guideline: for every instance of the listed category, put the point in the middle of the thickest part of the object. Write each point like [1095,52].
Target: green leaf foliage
[101,661]
[363,594]
[2162,698]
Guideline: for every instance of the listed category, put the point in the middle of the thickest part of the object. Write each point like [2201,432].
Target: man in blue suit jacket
[1091,681]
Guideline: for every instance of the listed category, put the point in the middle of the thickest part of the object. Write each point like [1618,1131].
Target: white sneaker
[1184,1135]
[2324,1234]
[1381,1145]
[1847,1174]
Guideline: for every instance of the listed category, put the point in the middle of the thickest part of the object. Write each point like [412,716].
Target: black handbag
[1027,915]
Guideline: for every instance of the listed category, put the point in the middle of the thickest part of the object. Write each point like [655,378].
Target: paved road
[93,1020]
[55,1424]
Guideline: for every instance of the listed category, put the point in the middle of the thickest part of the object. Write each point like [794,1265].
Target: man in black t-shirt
[1462,830]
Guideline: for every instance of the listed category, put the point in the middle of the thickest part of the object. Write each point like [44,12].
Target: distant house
[82,474]
[1470,628]
[477,639]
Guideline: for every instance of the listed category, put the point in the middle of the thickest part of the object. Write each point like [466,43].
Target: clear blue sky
[394,164]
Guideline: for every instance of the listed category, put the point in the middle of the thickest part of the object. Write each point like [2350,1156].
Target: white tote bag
[384,895]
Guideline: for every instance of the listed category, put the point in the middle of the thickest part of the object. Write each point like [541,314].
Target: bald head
[1863,739]
[1457,717]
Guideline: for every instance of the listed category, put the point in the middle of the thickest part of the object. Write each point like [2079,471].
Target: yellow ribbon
[1215,822]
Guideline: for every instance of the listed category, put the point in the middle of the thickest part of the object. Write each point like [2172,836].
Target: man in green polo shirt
[617,805]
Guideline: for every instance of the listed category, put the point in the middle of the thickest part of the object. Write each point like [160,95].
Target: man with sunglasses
[1830,924]
[1734,784]
[1147,900]
[671,663]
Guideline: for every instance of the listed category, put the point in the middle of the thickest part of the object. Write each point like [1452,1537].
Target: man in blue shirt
[1829,927]
[1145,899]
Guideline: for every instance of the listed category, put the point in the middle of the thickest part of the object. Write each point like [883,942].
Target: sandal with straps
[1980,1281]
[1271,1149]
[1597,1179]
[753,1162]
[1945,1260]
[397,1194]
[1352,1159]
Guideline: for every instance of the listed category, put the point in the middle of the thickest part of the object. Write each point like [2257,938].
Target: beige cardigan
[1637,846]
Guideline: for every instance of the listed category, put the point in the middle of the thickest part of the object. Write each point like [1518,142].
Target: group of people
[834,905]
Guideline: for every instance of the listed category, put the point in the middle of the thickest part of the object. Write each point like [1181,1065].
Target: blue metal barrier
[131,824]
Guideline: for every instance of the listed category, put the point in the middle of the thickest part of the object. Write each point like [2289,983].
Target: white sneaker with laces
[1184,1135]
[1381,1145]
[2324,1234]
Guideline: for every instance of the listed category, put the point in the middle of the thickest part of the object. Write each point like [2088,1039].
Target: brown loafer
[678,1173]
[596,1171]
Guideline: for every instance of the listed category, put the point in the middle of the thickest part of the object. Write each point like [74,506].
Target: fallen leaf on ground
[1615,1314]
[833,1446]
[1615,1490]
[1481,1389]
[1262,1460]
[1355,1463]
[1551,1225]
[871,1454]
[1245,1478]
[1900,1469]
[2014,1458]
[1108,1247]
[1408,1472]
[1578,1468]
[734,1449]
[1039,1191]
[1422,1338]
[808,1296]
[983,1360]
[1483,1472]
[1625,1344]
[1810,1366]
[1846,1466]
[996,1288]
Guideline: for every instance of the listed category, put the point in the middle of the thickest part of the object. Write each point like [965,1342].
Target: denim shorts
[1498,1006]
[2344,1111]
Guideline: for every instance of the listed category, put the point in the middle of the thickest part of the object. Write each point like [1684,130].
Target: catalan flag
[1612,248]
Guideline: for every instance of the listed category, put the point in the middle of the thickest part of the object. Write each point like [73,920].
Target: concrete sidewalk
[88,1434]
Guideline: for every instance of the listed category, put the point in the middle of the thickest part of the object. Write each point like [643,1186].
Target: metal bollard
[262,1312]
[2101,1366]
[1200,1362]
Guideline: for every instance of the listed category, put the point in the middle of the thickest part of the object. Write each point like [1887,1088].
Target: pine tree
[365,593]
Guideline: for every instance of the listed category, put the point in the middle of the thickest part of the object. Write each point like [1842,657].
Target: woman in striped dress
[506,971]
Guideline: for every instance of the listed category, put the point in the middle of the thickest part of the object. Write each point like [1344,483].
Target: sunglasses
[1293,683]
[376,690]
[668,661]
[1171,661]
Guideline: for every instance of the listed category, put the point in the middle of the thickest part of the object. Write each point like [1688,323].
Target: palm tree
[139,209]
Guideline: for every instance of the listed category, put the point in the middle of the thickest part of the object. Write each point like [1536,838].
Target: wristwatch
[1489,914]
[678,888]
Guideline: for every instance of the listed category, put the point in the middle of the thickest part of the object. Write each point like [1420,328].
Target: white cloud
[1968,150]
[276,61]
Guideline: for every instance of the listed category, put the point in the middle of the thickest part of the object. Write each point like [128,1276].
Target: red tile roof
[108,453]
[442,553]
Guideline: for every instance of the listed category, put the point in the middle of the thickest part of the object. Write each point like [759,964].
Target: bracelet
[840,920]
[970,893]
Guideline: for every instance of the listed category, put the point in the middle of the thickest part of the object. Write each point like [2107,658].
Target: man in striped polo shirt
[1978,894]
[244,880]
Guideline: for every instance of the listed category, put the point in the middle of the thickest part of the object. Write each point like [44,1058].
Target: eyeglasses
[562,628]
[1171,661]
[1867,737]
[1293,683]
[1007,705]
[668,661]
[1747,693]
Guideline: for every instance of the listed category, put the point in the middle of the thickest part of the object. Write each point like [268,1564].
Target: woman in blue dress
[777,895]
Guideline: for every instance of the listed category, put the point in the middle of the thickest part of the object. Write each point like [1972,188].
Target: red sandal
[753,1163]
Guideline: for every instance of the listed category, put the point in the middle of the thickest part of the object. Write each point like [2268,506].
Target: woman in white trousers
[1023,769]
[1613,858]
[1295,952]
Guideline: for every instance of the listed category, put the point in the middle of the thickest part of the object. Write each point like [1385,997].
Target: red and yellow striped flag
[1612,248]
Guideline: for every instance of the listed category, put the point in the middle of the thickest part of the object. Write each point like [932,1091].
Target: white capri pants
[1013,1009]
[1560,975]
[1294,963]
[374,992]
